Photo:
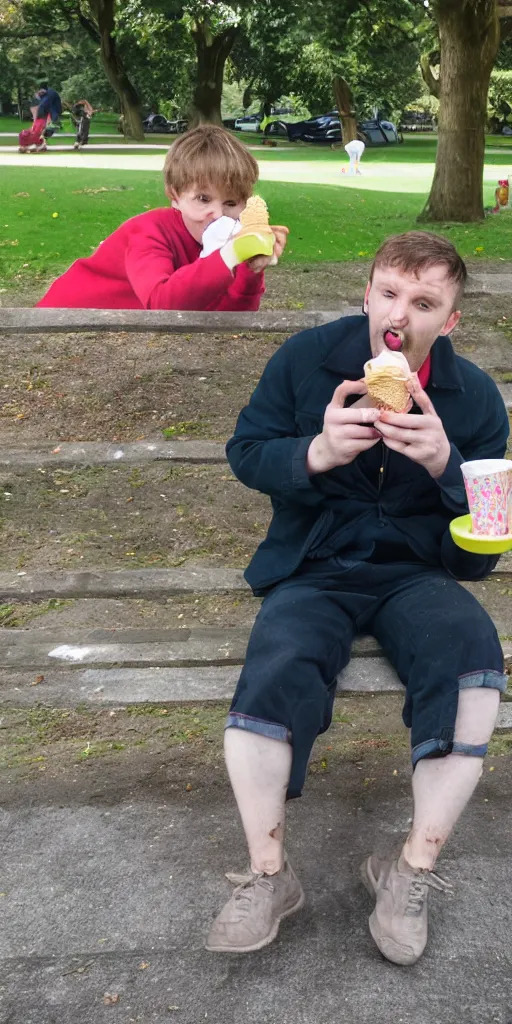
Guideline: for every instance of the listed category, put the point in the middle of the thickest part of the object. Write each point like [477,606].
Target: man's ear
[172,194]
[452,322]
[366,294]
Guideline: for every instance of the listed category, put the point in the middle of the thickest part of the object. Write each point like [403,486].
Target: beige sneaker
[399,923]
[251,918]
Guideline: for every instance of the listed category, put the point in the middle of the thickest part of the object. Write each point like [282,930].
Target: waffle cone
[387,387]
[254,218]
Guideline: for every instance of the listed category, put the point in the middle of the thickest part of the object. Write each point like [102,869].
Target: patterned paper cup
[488,485]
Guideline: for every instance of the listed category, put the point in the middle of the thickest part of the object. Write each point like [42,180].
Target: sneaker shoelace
[244,893]
[418,890]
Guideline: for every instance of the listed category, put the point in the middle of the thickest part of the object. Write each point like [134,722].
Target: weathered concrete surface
[114,687]
[150,583]
[36,586]
[24,321]
[92,453]
[112,892]
[160,648]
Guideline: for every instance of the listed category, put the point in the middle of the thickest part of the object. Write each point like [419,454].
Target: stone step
[130,648]
[95,453]
[141,583]
[114,687]
[23,321]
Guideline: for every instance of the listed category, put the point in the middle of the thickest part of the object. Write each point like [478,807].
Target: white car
[250,123]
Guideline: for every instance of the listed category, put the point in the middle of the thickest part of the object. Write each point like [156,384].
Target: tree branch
[429,78]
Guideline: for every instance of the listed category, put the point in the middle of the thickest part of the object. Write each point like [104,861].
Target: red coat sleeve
[245,291]
[203,284]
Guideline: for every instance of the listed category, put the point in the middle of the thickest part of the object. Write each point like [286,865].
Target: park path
[388,177]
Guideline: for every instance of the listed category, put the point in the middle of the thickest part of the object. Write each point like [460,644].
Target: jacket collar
[348,358]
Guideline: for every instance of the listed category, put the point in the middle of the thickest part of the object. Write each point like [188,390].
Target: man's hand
[344,435]
[258,263]
[421,438]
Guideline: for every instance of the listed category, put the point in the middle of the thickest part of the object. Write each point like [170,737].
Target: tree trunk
[469,37]
[212,53]
[344,103]
[103,14]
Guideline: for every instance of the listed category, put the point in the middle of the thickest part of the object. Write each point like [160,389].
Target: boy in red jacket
[153,260]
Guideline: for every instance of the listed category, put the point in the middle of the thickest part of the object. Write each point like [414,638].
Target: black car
[157,124]
[326,128]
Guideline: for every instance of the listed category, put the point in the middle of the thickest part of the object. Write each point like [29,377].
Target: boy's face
[408,312]
[199,207]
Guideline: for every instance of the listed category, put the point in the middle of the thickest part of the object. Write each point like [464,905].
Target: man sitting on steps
[359,542]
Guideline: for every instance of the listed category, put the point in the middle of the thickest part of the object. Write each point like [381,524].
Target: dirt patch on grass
[120,387]
[180,611]
[128,517]
[63,753]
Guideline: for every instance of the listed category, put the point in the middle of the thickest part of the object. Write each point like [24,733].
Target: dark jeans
[433,631]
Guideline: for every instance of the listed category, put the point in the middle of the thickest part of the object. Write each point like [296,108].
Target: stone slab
[37,586]
[36,650]
[114,687]
[488,284]
[24,321]
[148,583]
[92,453]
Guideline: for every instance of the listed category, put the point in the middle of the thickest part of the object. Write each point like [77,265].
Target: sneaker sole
[268,938]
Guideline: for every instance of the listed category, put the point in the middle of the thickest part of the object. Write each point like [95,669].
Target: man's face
[199,207]
[408,312]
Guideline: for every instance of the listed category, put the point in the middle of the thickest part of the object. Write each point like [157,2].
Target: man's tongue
[393,341]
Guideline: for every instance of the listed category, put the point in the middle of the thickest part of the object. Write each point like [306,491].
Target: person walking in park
[155,261]
[360,542]
[46,108]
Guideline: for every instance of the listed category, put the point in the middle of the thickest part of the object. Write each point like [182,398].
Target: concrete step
[115,687]
[157,648]
[95,453]
[153,665]
[145,583]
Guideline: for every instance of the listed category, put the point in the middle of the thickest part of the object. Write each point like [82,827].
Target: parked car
[157,124]
[249,123]
[326,128]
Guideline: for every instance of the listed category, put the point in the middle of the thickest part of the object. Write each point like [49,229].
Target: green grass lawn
[330,218]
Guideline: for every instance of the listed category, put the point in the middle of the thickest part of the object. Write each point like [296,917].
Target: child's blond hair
[210,156]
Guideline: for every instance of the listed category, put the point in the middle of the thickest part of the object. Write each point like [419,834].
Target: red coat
[152,262]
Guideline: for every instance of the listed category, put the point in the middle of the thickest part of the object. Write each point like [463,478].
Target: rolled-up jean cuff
[443,747]
[470,749]
[259,725]
[488,677]
[429,747]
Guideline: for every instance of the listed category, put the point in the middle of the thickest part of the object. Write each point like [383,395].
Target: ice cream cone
[255,237]
[386,378]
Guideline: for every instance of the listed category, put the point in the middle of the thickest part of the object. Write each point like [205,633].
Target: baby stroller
[81,121]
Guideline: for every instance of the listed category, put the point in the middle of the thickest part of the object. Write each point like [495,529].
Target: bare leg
[259,770]
[443,786]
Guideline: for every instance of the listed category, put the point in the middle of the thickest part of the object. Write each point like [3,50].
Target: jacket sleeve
[266,452]
[489,442]
[245,291]
[156,282]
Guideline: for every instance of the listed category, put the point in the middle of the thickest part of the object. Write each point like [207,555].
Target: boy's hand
[346,432]
[258,263]
[421,438]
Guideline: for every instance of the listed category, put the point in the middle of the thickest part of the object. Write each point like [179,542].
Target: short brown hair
[210,156]
[418,250]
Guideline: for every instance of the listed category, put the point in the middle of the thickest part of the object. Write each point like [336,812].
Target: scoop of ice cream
[392,360]
[386,378]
